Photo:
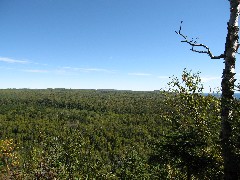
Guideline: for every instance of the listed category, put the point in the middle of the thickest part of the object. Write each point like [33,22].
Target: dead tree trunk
[231,47]
[231,167]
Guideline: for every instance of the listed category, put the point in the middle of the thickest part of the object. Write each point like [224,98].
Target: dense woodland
[99,134]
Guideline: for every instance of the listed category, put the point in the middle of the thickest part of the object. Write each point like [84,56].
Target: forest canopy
[67,134]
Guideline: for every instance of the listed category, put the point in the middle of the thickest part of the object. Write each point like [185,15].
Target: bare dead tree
[231,166]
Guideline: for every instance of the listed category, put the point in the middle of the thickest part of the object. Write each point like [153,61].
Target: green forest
[101,134]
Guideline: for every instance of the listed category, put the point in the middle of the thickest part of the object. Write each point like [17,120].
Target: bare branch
[194,43]
[237,49]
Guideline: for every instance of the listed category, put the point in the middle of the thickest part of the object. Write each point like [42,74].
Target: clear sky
[102,44]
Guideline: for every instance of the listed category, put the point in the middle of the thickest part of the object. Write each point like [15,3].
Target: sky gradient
[108,44]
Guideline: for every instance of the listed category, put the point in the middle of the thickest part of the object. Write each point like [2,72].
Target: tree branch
[195,44]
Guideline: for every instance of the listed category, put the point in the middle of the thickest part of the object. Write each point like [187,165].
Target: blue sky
[101,44]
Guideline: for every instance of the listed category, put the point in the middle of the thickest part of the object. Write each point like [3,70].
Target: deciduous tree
[231,167]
